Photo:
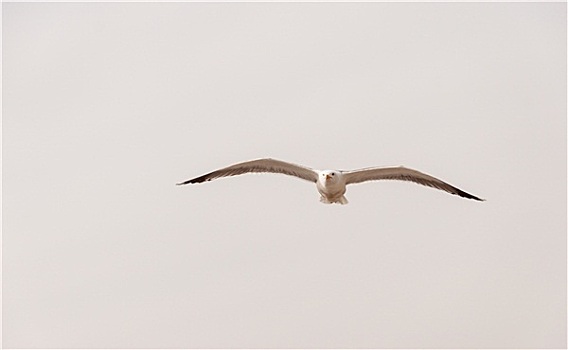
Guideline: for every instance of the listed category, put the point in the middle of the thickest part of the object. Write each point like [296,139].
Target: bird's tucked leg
[341,200]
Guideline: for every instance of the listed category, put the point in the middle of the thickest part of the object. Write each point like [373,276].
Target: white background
[106,106]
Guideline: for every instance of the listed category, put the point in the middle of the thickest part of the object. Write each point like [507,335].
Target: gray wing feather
[403,174]
[264,165]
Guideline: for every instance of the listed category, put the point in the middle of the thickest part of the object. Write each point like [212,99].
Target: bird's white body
[331,184]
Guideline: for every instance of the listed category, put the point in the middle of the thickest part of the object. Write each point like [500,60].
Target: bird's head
[330,176]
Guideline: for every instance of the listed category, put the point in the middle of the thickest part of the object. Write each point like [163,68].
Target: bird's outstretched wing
[404,174]
[265,165]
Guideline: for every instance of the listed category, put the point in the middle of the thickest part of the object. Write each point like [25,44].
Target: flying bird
[331,184]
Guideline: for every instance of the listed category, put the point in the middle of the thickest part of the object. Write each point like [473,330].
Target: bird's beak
[327,176]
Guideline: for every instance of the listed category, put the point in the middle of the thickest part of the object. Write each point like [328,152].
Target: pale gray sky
[106,106]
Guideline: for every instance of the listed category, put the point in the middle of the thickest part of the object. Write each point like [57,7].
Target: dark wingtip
[197,180]
[184,183]
[470,196]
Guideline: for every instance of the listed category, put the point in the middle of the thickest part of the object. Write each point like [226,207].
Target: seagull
[331,184]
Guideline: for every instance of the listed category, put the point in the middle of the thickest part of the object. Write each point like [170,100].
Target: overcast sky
[107,105]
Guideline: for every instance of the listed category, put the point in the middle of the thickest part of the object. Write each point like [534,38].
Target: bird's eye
[332,174]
